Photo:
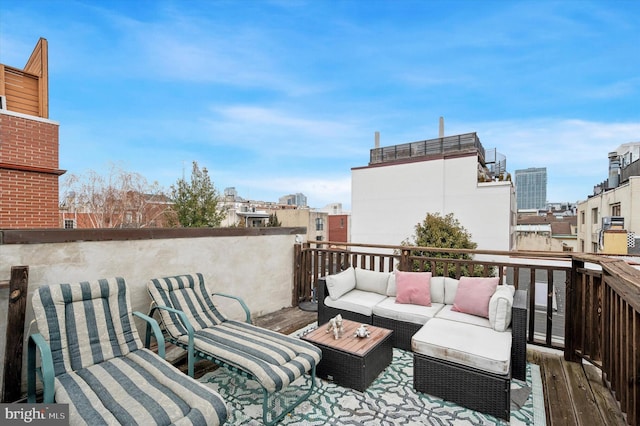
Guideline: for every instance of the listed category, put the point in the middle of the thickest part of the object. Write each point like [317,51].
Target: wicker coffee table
[351,361]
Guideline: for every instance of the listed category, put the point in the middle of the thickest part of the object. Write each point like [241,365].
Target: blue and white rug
[390,400]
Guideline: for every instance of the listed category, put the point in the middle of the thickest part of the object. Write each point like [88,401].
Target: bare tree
[120,199]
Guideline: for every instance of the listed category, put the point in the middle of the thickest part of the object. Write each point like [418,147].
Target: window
[69,224]
[581,217]
[615,210]
[319,224]
[594,216]
[582,246]
[341,222]
[594,247]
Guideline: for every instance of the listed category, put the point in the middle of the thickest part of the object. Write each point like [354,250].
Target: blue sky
[278,97]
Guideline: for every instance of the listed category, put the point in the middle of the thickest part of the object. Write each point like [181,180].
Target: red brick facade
[28,172]
[339,228]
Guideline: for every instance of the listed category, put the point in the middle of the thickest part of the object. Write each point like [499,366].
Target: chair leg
[286,410]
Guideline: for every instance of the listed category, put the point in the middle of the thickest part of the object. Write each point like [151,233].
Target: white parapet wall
[256,265]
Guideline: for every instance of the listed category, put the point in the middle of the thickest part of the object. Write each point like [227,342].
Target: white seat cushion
[358,301]
[482,348]
[448,314]
[416,314]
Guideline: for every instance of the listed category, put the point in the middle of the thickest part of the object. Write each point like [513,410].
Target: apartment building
[402,183]
[29,150]
[609,220]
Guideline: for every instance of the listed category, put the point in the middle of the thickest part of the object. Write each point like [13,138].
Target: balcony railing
[587,306]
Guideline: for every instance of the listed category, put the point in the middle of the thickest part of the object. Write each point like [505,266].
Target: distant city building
[297,199]
[402,183]
[531,188]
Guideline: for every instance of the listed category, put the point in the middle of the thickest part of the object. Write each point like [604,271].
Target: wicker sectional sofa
[464,358]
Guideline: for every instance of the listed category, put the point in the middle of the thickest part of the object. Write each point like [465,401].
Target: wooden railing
[550,273]
[603,300]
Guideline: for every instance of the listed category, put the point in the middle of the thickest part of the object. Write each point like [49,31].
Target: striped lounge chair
[192,321]
[92,359]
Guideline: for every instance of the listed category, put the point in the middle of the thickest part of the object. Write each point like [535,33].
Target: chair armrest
[190,332]
[322,293]
[240,301]
[45,371]
[152,325]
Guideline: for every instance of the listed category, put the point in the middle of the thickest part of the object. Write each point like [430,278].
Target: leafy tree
[273,220]
[195,203]
[117,199]
[442,232]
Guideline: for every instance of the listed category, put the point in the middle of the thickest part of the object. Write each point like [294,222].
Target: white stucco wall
[388,201]
[257,268]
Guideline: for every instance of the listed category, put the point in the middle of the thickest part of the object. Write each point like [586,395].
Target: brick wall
[339,228]
[28,172]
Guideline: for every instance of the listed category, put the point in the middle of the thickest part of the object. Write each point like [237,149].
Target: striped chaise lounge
[192,321]
[92,359]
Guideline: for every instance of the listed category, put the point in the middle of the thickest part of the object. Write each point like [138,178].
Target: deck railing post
[18,288]
[573,324]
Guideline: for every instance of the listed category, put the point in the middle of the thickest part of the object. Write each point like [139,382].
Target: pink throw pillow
[414,288]
[473,295]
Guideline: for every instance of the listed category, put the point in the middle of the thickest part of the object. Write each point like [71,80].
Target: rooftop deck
[583,316]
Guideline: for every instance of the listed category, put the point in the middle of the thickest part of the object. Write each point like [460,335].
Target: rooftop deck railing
[431,147]
[585,305]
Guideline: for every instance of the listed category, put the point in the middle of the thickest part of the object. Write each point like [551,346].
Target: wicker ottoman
[464,363]
[471,388]
[351,361]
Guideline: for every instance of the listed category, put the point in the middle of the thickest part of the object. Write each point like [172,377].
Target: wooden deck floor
[574,393]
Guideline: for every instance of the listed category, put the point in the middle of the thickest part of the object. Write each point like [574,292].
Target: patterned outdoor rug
[390,400]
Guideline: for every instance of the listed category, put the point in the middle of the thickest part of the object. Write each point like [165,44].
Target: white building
[403,183]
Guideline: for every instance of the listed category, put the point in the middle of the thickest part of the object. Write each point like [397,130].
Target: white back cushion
[341,283]
[372,281]
[437,289]
[450,290]
[391,285]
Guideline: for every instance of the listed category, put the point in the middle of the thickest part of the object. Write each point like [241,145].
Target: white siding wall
[388,201]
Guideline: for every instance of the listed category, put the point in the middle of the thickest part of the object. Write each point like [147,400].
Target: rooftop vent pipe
[377,139]
[614,170]
[441,129]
